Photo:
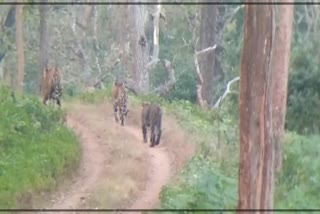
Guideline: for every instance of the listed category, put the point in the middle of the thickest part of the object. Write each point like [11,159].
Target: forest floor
[118,170]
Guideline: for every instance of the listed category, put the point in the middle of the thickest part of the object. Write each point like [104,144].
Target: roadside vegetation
[35,149]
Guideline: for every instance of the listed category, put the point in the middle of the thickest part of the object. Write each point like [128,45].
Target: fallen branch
[227,91]
[164,89]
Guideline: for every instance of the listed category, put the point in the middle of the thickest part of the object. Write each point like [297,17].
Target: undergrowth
[35,148]
[210,178]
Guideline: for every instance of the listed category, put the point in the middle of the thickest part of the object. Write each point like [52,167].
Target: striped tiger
[120,99]
[52,85]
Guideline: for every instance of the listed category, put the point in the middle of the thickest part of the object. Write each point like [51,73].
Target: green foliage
[210,178]
[201,186]
[304,90]
[31,162]
[173,38]
[97,96]
[298,184]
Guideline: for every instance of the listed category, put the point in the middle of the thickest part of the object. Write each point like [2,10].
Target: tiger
[120,98]
[151,116]
[51,86]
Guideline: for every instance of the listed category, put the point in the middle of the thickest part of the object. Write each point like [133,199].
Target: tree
[207,60]
[140,48]
[281,62]
[9,24]
[256,169]
[20,49]
[44,40]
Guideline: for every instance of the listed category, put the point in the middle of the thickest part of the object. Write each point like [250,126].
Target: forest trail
[118,170]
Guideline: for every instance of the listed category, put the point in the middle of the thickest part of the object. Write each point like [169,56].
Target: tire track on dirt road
[95,155]
[159,174]
[91,166]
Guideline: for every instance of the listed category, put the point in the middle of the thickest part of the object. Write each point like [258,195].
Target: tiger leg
[124,109]
[122,113]
[45,99]
[58,102]
[158,137]
[152,137]
[115,110]
[159,131]
[144,132]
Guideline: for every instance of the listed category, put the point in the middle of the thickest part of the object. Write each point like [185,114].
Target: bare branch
[102,77]
[206,50]
[202,102]
[152,63]
[227,91]
[130,85]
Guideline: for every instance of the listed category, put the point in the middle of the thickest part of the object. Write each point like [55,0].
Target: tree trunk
[96,46]
[206,61]
[123,24]
[140,48]
[8,23]
[44,40]
[20,49]
[280,64]
[256,170]
[80,51]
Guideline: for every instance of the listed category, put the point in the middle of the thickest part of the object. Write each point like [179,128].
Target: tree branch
[202,102]
[102,77]
[227,91]
[206,50]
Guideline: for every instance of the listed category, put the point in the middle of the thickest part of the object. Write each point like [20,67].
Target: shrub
[35,147]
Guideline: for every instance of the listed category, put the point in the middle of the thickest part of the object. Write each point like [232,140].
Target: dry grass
[125,170]
[127,160]
[174,138]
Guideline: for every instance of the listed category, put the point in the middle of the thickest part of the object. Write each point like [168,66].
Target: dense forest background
[189,55]
[91,44]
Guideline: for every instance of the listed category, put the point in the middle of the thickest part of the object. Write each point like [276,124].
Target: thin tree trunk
[206,61]
[8,23]
[281,62]
[140,48]
[96,46]
[256,170]
[20,49]
[44,40]
[80,51]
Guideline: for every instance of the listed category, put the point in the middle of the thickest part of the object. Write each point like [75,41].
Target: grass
[209,180]
[174,138]
[125,158]
[35,149]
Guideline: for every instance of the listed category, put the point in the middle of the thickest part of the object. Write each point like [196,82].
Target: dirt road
[117,169]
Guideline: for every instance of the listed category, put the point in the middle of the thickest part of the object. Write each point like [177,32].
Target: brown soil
[117,169]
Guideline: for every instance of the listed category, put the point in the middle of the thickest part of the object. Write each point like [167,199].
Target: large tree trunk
[207,61]
[44,41]
[20,49]
[281,62]
[256,170]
